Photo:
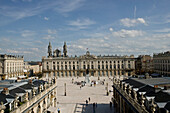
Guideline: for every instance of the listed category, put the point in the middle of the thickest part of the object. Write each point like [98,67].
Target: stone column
[34,92]
[40,88]
[142,100]
[125,87]
[55,102]
[2,107]
[26,96]
[129,90]
[153,106]
[15,103]
[135,95]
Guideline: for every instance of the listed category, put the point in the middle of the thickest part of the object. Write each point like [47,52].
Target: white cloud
[52,31]
[27,33]
[46,18]
[49,37]
[163,30]
[111,29]
[61,6]
[132,22]
[81,23]
[128,33]
[66,6]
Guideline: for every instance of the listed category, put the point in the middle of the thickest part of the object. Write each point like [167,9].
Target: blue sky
[121,27]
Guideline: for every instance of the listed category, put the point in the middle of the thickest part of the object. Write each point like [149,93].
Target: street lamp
[107,92]
[65,89]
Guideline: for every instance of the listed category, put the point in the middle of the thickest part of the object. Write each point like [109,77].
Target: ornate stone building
[28,96]
[60,65]
[136,95]
[11,66]
[144,64]
[162,63]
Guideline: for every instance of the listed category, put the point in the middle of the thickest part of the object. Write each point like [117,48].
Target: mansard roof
[134,83]
[16,90]
[162,97]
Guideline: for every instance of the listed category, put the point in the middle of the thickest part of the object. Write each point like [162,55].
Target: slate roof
[167,106]
[134,83]
[16,90]
[3,97]
[146,89]
[38,82]
[27,86]
[162,97]
[154,81]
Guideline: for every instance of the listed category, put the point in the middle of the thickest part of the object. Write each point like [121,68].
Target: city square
[84,56]
[75,99]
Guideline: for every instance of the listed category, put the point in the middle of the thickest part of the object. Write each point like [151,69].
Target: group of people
[94,105]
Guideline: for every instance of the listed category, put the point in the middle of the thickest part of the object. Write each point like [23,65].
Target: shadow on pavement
[91,108]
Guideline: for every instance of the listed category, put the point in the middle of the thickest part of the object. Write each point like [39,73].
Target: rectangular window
[110,66]
[91,66]
[102,66]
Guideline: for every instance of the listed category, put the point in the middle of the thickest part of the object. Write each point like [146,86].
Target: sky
[105,27]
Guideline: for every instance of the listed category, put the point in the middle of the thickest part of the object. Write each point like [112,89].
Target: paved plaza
[75,99]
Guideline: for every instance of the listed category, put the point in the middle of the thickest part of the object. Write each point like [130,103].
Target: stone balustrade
[121,89]
[35,100]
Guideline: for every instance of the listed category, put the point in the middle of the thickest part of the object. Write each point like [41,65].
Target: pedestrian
[94,105]
[80,87]
[94,110]
[86,102]
[58,110]
[110,105]
[89,99]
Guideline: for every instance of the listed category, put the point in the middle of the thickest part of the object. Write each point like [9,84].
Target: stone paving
[75,99]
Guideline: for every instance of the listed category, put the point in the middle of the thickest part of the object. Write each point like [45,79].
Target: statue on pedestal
[87,80]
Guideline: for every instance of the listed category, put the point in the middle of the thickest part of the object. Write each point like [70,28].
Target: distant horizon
[114,27]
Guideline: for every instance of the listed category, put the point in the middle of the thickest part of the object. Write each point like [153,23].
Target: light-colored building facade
[65,66]
[162,63]
[144,64]
[31,68]
[11,66]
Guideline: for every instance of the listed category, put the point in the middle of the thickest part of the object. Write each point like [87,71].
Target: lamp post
[65,89]
[107,92]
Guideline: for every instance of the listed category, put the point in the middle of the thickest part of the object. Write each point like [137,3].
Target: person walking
[58,110]
[86,102]
[94,108]
[110,105]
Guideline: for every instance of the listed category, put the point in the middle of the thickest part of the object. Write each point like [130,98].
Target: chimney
[5,91]
[30,82]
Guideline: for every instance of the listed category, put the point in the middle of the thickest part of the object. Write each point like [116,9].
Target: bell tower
[65,50]
[49,50]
